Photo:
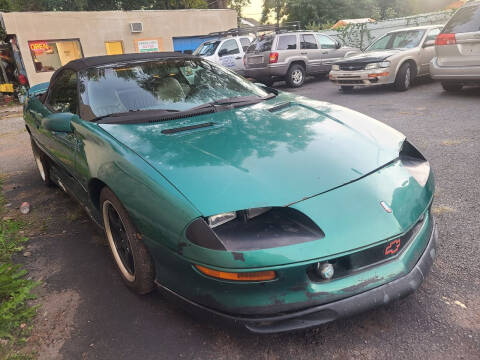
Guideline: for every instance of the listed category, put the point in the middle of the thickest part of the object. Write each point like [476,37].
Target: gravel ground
[87,313]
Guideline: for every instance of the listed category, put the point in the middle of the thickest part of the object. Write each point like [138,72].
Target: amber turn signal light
[243,276]
[378,75]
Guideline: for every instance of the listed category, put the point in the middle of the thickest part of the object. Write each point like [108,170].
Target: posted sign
[148,46]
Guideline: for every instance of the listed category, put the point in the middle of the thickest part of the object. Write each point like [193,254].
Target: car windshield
[398,40]
[173,85]
[207,48]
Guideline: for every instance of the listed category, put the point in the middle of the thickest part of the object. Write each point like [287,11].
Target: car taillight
[445,39]
[273,57]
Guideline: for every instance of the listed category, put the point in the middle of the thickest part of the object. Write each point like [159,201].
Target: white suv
[227,51]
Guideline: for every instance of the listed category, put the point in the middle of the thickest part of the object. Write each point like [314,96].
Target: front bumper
[457,74]
[362,77]
[318,315]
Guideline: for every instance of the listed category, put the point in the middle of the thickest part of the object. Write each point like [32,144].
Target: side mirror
[338,45]
[59,122]
[429,43]
[222,52]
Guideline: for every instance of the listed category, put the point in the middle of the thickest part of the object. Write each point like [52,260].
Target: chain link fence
[361,35]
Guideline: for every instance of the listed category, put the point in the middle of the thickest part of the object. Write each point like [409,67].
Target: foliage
[15,290]
[316,14]
[237,5]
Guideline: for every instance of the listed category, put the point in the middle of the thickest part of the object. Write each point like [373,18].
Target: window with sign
[49,55]
[229,47]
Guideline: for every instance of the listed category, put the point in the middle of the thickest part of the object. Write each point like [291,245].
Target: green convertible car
[268,209]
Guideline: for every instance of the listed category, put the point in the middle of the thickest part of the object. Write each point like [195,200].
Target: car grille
[348,264]
[352,67]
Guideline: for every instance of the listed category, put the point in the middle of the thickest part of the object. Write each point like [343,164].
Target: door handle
[324,52]
[238,58]
[303,53]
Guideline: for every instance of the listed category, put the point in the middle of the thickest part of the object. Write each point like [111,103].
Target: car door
[309,48]
[62,97]
[229,55]
[330,51]
[427,51]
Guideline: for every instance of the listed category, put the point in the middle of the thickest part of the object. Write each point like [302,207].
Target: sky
[254,10]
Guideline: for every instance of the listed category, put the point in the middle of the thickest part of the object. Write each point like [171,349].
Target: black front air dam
[322,314]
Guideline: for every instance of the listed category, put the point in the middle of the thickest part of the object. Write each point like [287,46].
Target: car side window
[307,41]
[432,34]
[287,42]
[63,96]
[245,42]
[326,42]
[229,47]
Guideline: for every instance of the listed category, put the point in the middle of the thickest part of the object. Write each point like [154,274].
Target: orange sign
[39,46]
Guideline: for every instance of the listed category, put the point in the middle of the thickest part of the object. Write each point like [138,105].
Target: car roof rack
[285,27]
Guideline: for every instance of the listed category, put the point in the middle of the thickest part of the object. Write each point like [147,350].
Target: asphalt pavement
[87,313]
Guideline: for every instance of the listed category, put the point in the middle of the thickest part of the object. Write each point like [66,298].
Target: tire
[346,89]
[404,77]
[43,165]
[451,86]
[295,76]
[129,253]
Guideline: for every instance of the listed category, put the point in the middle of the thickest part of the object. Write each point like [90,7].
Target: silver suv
[457,48]
[291,56]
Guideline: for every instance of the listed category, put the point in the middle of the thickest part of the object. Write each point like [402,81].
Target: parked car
[256,206]
[228,51]
[457,60]
[397,58]
[291,56]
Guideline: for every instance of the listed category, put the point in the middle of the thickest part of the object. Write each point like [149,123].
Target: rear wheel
[346,88]
[130,254]
[452,86]
[295,76]
[404,77]
[42,164]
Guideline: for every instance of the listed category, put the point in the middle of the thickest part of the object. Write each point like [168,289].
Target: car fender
[402,61]
[157,208]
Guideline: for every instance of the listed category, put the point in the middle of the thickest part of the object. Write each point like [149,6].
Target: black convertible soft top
[88,62]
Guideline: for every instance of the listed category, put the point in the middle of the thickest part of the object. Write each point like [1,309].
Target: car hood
[368,57]
[274,153]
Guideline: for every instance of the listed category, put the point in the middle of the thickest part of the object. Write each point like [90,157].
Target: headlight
[335,67]
[220,219]
[415,163]
[377,65]
[253,229]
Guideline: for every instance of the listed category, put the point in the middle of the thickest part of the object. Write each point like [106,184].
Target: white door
[229,54]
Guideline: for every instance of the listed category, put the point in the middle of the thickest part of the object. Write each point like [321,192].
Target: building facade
[48,40]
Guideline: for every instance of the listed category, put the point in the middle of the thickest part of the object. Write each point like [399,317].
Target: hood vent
[187,128]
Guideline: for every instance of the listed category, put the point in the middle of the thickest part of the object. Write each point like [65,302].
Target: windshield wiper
[150,116]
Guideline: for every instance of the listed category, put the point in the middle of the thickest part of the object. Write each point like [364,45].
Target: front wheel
[404,77]
[451,86]
[42,164]
[295,76]
[130,254]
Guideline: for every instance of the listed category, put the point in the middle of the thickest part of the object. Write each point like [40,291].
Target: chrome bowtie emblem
[387,208]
